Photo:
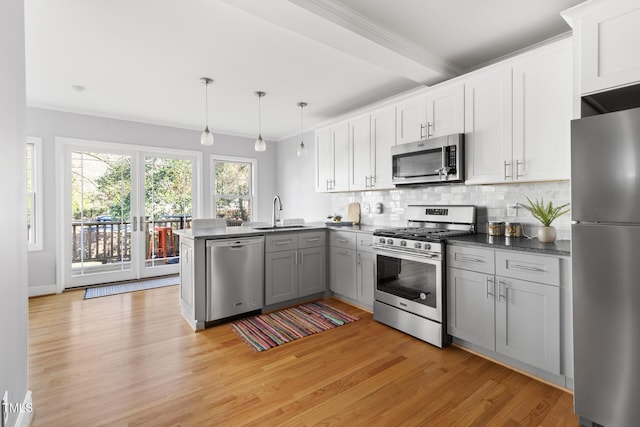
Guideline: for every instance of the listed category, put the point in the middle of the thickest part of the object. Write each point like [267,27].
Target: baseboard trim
[26,417]
[36,291]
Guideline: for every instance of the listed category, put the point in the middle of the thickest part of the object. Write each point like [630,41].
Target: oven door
[410,282]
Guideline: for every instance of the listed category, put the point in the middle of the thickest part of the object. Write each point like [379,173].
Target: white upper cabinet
[411,119]
[324,160]
[360,153]
[488,126]
[606,34]
[332,158]
[517,118]
[340,143]
[542,112]
[445,110]
[383,137]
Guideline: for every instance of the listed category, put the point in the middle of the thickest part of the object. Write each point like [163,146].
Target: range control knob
[382,240]
[403,243]
[417,245]
[427,246]
[389,241]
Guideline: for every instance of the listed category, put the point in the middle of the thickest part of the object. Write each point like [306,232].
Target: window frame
[36,196]
[254,181]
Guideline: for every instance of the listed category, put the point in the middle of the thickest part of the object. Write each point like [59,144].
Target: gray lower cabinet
[490,305]
[351,266]
[295,266]
[343,272]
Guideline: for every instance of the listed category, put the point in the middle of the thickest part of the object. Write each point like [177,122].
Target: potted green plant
[546,214]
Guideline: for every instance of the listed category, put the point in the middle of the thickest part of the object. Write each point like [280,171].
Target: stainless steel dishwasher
[235,276]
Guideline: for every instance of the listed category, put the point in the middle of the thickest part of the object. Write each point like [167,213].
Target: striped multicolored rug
[270,330]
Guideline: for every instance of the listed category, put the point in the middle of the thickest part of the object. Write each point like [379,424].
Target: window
[233,189]
[33,156]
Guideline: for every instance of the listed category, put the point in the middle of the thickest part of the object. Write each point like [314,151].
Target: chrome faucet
[273,219]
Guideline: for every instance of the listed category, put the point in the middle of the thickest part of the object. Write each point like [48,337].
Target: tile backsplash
[494,202]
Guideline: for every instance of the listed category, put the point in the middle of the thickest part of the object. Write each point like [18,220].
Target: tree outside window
[233,192]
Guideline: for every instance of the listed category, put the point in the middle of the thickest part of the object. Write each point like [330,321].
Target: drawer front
[473,259]
[535,268]
[281,242]
[364,242]
[343,239]
[311,240]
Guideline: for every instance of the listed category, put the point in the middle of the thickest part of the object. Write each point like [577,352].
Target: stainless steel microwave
[431,161]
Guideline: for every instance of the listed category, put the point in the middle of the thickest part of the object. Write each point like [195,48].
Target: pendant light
[260,144]
[302,150]
[206,138]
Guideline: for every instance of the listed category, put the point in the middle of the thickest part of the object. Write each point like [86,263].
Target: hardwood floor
[132,360]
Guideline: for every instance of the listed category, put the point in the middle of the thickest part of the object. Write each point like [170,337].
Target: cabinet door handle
[287,242]
[501,295]
[358,261]
[506,164]
[467,259]
[527,268]
[490,288]
[422,127]
[372,181]
[430,128]
[366,182]
[518,174]
[342,252]
[301,257]
[365,243]
[135,224]
[310,240]
[342,240]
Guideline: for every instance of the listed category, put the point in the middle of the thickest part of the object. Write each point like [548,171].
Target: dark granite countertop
[559,247]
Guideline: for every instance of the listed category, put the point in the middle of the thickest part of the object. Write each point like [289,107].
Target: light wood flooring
[132,360]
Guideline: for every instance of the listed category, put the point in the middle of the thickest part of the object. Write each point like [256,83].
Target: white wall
[296,181]
[48,124]
[13,253]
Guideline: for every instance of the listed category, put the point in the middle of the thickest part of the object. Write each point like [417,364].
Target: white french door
[121,206]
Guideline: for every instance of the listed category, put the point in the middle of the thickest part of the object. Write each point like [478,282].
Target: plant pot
[547,234]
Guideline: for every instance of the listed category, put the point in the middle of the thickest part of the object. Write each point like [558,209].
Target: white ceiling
[142,60]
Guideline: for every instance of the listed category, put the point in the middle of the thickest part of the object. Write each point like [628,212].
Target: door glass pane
[233,193]
[168,207]
[101,209]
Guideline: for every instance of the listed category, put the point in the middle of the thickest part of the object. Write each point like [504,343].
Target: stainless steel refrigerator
[605,196]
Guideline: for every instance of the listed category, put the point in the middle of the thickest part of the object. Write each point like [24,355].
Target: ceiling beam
[330,23]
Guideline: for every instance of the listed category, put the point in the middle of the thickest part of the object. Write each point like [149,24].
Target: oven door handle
[408,255]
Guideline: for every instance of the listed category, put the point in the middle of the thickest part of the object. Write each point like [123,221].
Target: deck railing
[110,241]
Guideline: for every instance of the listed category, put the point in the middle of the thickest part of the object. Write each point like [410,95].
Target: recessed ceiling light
[77,88]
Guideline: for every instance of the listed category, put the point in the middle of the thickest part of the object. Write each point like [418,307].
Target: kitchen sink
[278,227]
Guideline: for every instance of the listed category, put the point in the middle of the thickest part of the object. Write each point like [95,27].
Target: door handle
[358,261]
[366,182]
[295,258]
[301,258]
[287,242]
[506,164]
[502,285]
[422,127]
[490,288]
[372,181]
[141,223]
[518,163]
[429,129]
[135,223]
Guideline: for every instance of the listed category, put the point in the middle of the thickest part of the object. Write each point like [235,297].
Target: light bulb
[260,144]
[206,138]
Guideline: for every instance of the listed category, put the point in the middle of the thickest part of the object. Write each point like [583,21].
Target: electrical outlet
[4,408]
[366,208]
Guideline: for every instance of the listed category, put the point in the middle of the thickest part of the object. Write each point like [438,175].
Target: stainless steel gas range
[409,262]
